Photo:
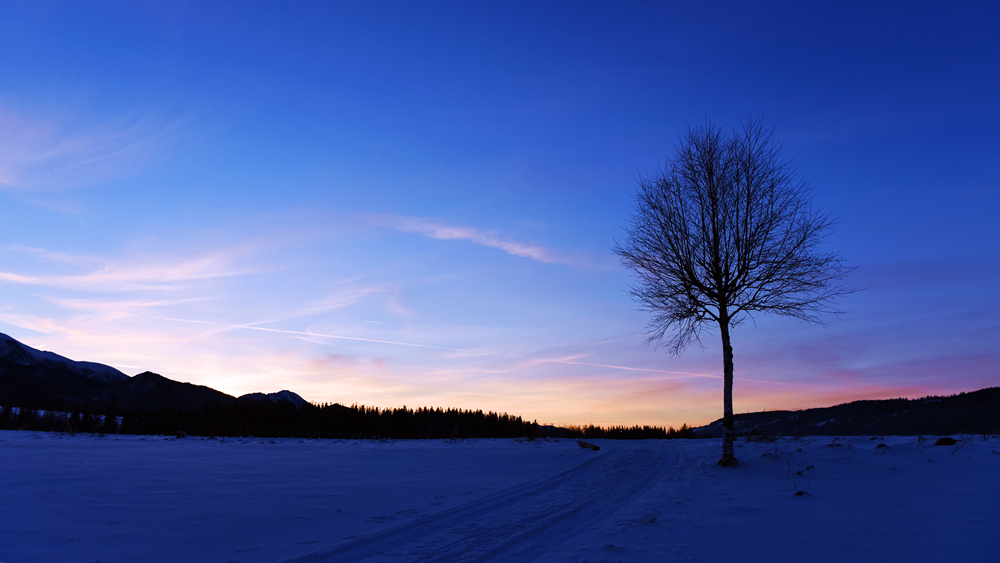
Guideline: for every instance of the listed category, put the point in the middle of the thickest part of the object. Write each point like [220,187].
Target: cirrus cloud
[41,154]
[488,238]
[96,274]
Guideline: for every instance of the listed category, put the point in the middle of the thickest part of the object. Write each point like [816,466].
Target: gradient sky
[414,203]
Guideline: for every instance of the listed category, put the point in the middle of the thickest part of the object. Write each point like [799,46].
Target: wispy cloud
[489,238]
[51,255]
[314,334]
[143,273]
[337,300]
[101,311]
[42,154]
[38,324]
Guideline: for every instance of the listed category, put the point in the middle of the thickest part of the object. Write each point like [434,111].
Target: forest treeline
[631,432]
[282,419]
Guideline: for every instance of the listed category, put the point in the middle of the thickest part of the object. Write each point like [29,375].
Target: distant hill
[977,412]
[284,395]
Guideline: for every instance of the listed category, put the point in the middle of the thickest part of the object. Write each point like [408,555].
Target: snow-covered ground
[128,498]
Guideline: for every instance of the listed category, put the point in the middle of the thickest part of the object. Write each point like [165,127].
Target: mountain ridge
[22,354]
[46,380]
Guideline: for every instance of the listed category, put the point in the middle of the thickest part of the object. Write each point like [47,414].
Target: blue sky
[414,203]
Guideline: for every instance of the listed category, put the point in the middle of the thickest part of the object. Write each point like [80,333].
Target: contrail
[688,374]
[638,369]
[315,334]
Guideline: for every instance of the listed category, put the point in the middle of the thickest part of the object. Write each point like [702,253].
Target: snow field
[816,499]
[130,498]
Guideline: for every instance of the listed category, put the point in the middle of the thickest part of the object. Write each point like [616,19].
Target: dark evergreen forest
[281,419]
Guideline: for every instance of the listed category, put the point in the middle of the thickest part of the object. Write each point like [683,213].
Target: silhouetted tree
[87,423]
[26,418]
[725,230]
[110,425]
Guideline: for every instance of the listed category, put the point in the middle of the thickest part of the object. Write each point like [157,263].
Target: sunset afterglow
[404,204]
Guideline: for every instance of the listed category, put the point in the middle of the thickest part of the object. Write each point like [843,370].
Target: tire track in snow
[521,523]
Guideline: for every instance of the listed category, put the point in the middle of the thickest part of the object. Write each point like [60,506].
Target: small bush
[946,441]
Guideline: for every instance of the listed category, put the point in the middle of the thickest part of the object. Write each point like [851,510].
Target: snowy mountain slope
[46,387]
[25,355]
[49,381]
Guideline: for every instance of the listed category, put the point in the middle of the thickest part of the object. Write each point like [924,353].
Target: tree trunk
[728,425]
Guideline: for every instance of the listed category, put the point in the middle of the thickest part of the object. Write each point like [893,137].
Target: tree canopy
[725,230]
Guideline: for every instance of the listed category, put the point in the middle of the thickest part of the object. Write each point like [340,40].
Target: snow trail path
[521,523]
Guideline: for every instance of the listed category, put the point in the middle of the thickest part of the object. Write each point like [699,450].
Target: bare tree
[726,230]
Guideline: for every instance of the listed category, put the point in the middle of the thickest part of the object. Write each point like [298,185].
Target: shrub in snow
[648,517]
